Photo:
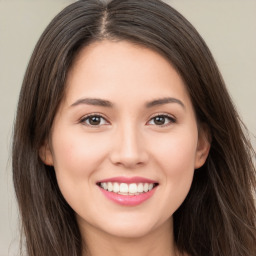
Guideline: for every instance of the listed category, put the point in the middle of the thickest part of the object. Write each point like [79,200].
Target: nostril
[129,153]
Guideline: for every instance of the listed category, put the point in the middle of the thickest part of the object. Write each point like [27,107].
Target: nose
[129,149]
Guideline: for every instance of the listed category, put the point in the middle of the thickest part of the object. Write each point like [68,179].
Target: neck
[158,242]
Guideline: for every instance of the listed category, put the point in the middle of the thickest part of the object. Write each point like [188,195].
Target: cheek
[179,158]
[176,152]
[176,160]
[76,157]
[76,154]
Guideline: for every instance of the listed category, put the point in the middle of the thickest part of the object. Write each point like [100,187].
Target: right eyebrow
[162,101]
[94,102]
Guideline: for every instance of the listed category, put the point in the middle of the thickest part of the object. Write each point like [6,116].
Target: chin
[130,225]
[129,231]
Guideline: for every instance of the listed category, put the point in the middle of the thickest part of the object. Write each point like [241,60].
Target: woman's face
[126,124]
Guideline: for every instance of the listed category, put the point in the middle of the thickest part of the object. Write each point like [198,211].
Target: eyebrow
[94,102]
[164,101]
[106,103]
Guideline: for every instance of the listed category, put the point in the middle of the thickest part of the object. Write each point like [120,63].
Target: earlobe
[46,154]
[203,147]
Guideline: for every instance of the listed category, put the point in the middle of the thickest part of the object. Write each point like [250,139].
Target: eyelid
[166,115]
[83,118]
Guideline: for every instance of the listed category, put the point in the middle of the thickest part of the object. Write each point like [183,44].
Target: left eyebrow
[164,101]
[94,102]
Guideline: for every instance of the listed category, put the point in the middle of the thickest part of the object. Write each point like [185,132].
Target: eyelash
[171,119]
[87,117]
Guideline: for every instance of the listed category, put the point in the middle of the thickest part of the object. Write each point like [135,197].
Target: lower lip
[128,200]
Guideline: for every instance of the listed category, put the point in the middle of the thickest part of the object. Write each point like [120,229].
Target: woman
[126,141]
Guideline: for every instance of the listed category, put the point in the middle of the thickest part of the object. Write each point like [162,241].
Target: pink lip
[128,200]
[128,180]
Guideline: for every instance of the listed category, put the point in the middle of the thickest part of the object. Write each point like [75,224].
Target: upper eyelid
[163,114]
[93,114]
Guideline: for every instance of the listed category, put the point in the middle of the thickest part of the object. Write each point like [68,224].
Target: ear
[203,146]
[45,153]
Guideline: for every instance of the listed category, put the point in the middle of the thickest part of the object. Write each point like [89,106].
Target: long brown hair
[218,215]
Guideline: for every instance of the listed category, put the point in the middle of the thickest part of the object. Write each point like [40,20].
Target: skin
[127,142]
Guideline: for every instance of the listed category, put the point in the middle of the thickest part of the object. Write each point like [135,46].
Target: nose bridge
[128,149]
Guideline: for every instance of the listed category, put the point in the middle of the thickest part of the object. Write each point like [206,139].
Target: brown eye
[159,120]
[94,120]
[162,120]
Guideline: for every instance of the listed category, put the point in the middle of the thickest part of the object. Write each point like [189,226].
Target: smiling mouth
[127,188]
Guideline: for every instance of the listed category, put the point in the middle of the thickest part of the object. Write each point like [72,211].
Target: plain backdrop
[228,27]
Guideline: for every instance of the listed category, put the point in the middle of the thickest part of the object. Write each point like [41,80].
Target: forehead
[122,70]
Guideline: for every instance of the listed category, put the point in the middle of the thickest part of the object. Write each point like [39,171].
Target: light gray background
[228,27]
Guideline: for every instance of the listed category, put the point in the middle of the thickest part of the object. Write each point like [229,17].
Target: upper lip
[128,180]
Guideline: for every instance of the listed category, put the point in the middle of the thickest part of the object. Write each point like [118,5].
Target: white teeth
[133,188]
[123,188]
[104,185]
[127,189]
[116,187]
[145,187]
[110,186]
[140,188]
[150,186]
